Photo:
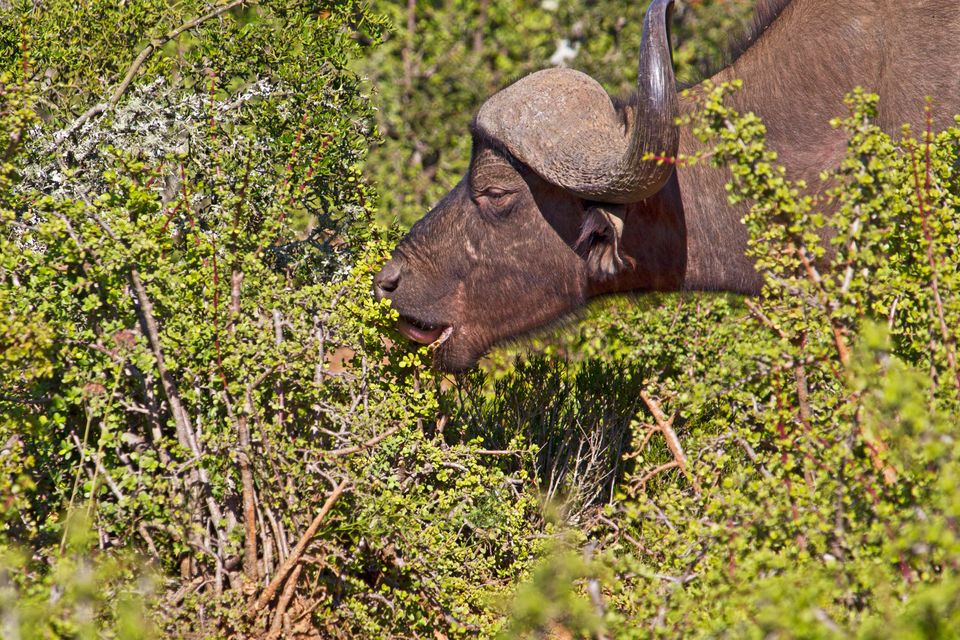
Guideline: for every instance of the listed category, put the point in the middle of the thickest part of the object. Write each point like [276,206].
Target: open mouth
[424,333]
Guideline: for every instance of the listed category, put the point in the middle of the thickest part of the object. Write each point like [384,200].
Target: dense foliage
[207,428]
[188,367]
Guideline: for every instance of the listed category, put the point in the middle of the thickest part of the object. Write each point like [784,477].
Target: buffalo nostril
[387,280]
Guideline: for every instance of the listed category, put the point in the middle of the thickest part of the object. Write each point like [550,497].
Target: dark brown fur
[495,258]
[764,14]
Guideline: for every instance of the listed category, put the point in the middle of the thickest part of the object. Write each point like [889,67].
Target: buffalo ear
[599,241]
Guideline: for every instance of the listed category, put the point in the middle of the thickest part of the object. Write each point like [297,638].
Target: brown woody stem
[297,552]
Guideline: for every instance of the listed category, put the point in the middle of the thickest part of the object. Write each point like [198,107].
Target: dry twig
[297,552]
[665,426]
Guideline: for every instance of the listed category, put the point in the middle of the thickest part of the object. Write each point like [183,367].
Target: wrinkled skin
[493,259]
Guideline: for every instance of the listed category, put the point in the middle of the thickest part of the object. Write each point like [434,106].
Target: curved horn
[563,125]
[656,106]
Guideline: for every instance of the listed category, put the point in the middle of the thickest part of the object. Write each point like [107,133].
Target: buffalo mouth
[424,332]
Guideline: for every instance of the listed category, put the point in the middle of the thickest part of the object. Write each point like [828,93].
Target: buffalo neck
[687,236]
[795,78]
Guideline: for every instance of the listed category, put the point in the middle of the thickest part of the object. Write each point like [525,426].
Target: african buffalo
[558,205]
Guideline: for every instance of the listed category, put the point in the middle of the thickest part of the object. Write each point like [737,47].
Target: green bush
[75,595]
[208,428]
[191,353]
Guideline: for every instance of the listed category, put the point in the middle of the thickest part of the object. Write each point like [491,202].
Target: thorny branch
[932,261]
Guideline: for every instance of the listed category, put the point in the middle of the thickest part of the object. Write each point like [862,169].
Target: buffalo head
[533,229]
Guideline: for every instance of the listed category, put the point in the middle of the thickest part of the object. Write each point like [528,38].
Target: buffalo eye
[495,193]
[495,201]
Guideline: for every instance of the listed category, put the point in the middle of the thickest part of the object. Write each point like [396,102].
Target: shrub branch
[267,595]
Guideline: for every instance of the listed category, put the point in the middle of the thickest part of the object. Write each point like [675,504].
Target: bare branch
[753,457]
[665,426]
[498,452]
[658,470]
[297,552]
[360,447]
[276,627]
[249,508]
[758,313]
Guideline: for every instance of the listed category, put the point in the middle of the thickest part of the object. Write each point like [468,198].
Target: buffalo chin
[456,355]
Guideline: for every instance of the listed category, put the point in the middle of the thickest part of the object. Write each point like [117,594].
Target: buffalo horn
[563,125]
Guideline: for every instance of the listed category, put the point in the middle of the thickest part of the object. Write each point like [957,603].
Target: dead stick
[297,552]
[655,410]
[665,426]
[276,627]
